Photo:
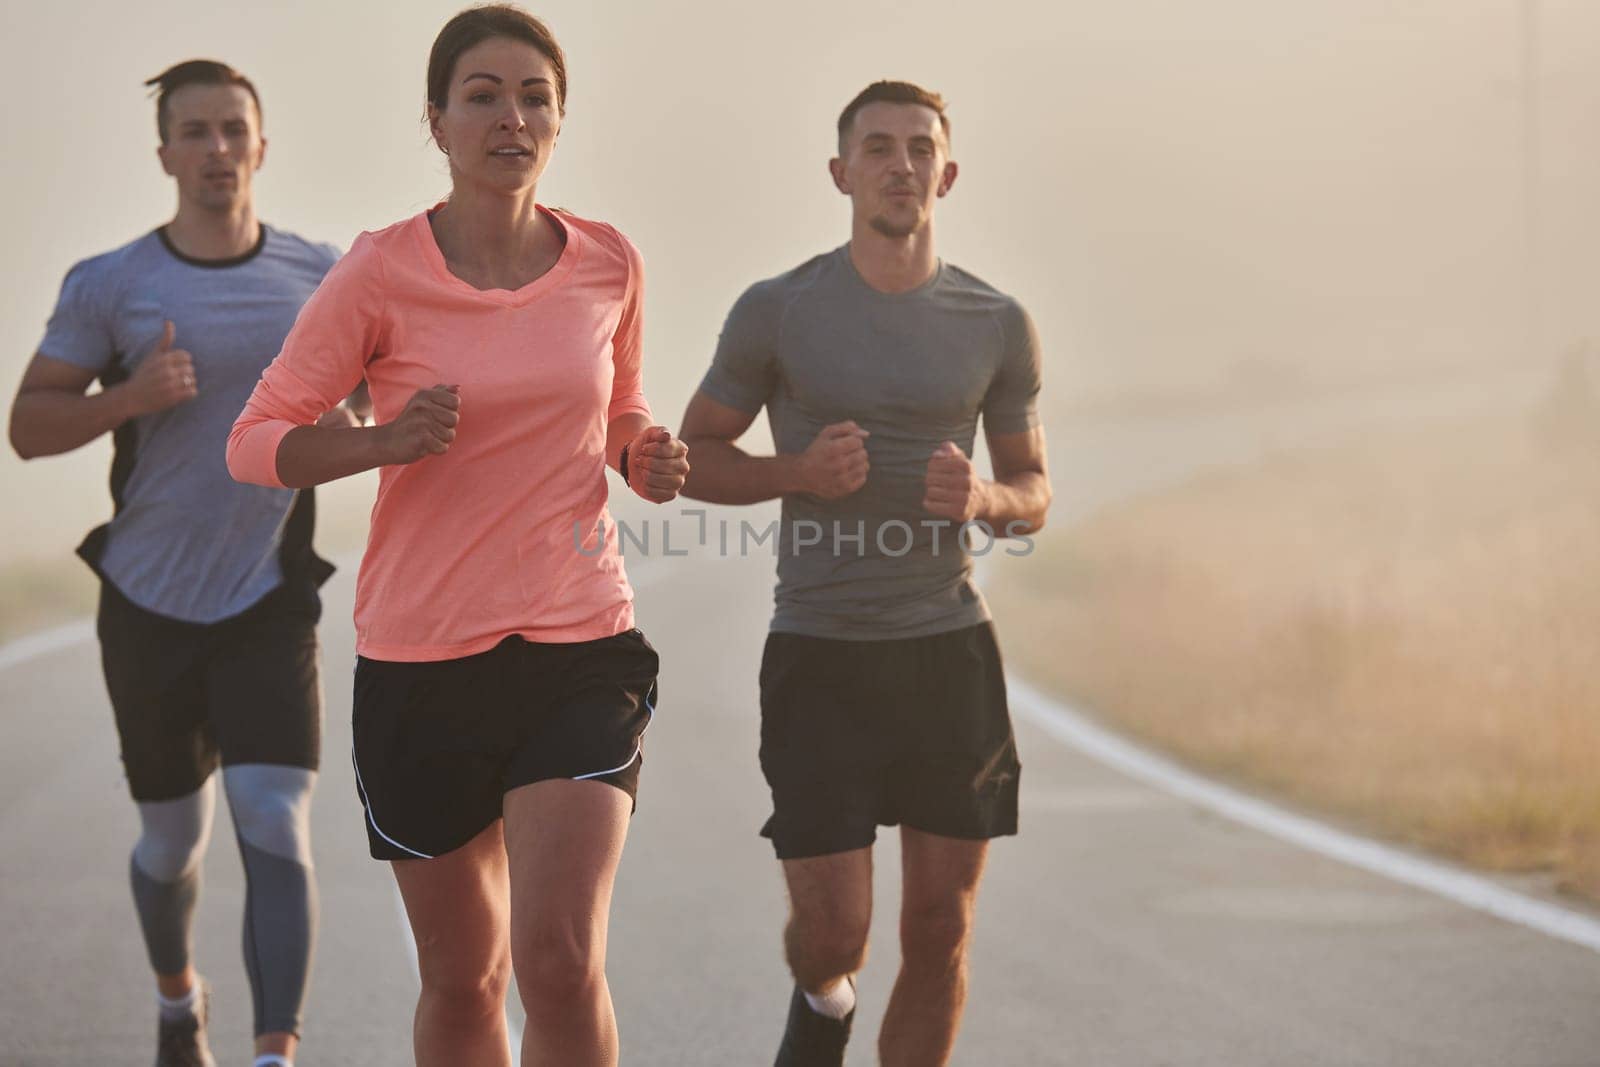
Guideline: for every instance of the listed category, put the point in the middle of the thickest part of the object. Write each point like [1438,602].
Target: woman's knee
[557,964]
[464,987]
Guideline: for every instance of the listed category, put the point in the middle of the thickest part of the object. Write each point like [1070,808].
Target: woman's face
[501,118]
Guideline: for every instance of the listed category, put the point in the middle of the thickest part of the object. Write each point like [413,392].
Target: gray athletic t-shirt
[186,540]
[818,346]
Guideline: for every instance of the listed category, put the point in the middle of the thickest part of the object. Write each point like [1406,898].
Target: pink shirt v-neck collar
[570,254]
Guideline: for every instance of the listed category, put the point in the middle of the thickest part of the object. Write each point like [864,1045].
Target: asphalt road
[1121,927]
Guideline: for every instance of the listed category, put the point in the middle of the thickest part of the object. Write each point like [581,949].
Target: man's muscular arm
[53,411]
[1011,505]
[834,464]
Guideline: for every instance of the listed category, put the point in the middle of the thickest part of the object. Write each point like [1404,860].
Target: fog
[1243,195]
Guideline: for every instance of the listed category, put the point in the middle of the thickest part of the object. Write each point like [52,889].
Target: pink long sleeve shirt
[472,546]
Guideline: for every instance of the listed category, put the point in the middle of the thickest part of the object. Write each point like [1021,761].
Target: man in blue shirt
[209,588]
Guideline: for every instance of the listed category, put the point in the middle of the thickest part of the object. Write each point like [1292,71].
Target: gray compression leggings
[271,808]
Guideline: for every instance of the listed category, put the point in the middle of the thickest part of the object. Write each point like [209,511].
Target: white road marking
[1075,729]
[33,646]
[1131,797]
[1078,731]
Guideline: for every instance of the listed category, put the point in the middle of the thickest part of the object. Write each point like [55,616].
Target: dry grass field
[1404,634]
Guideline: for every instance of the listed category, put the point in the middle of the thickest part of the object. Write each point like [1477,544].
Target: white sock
[175,1008]
[273,1059]
[834,1003]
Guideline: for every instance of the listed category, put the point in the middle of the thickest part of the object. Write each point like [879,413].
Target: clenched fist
[835,464]
[425,426]
[658,463]
[164,378]
[953,489]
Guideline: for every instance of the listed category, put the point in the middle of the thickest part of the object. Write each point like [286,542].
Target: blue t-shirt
[186,540]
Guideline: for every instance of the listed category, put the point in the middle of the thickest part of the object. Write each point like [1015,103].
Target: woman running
[501,690]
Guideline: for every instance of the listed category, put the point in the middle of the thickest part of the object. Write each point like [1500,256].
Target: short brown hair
[478,24]
[195,72]
[891,92]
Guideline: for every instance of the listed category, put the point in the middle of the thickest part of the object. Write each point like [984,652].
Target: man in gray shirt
[209,599]
[882,695]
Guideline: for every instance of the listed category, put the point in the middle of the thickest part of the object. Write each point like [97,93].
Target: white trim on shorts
[637,748]
[366,802]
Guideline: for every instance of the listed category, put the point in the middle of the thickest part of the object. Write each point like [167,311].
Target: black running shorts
[243,690]
[858,734]
[439,744]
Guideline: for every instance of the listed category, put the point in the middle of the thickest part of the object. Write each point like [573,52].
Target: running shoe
[812,1040]
[182,1042]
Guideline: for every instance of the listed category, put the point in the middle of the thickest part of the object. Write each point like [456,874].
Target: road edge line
[1076,730]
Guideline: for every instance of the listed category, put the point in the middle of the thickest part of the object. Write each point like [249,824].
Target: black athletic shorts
[245,689]
[858,734]
[439,744]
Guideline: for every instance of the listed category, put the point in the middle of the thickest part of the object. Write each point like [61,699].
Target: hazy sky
[1173,188]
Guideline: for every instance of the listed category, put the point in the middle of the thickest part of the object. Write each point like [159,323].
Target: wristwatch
[622,465]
